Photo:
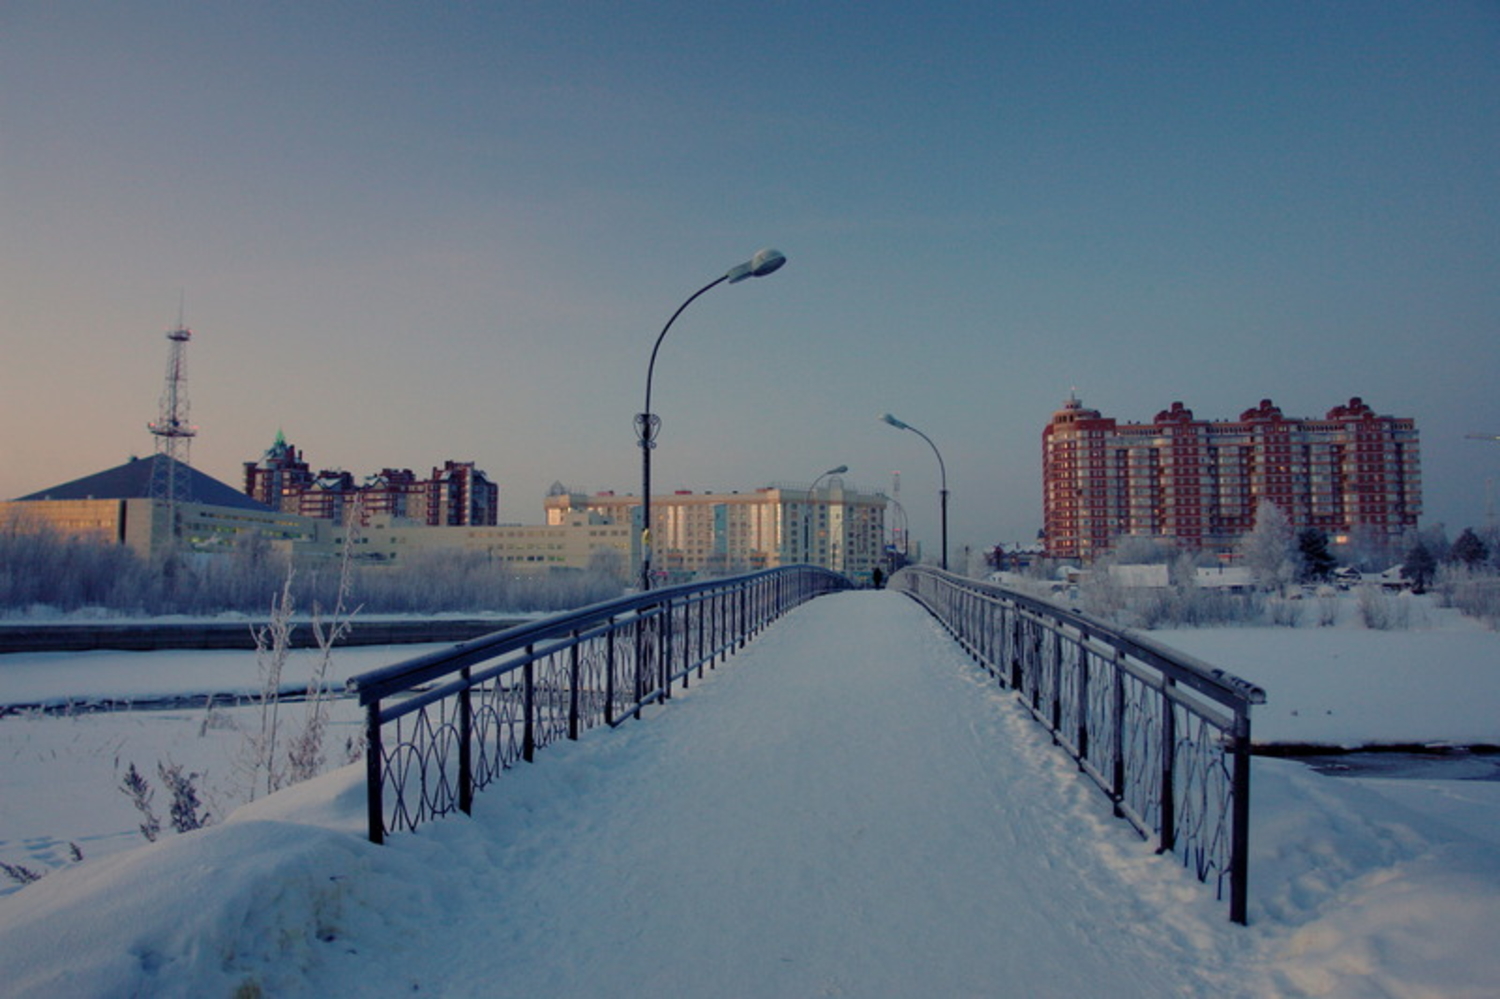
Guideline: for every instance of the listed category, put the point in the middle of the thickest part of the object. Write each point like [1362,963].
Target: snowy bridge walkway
[847,807]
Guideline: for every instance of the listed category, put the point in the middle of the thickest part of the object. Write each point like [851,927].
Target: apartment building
[456,495]
[1197,483]
[716,533]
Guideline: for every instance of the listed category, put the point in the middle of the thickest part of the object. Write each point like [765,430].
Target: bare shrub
[21,874]
[140,792]
[1380,611]
[1284,612]
[272,647]
[187,812]
[1328,604]
[305,748]
[1472,592]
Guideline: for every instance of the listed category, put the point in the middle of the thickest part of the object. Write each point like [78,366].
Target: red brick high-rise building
[456,495]
[1197,483]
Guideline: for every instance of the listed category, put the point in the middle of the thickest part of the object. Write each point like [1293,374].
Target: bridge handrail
[1165,735]
[546,679]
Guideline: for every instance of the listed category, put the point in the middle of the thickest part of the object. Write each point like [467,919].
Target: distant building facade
[117,506]
[456,495]
[579,542]
[720,533]
[1197,483]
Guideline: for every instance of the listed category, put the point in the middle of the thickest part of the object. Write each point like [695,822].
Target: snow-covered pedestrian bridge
[841,742]
[847,807]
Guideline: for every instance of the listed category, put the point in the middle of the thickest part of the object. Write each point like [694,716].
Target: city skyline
[404,234]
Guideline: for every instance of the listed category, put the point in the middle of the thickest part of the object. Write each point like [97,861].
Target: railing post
[726,623]
[641,660]
[1239,849]
[374,782]
[573,678]
[528,703]
[1081,716]
[1034,674]
[1168,769]
[609,673]
[705,608]
[1057,665]
[465,747]
[664,651]
[1117,771]
[1016,647]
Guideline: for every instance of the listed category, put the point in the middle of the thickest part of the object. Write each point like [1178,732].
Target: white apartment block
[722,533]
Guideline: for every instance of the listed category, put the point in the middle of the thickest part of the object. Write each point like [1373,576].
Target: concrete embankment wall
[230,635]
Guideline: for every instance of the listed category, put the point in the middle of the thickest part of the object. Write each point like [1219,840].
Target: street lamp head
[837,471]
[888,418]
[764,262]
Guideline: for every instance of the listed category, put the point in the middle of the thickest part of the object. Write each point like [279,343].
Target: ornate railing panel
[1165,736]
[441,726]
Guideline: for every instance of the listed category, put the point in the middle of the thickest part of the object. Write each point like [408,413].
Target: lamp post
[807,514]
[647,424]
[898,534]
[942,471]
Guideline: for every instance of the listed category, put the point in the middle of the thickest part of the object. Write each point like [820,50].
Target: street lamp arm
[942,469]
[651,368]
[764,262]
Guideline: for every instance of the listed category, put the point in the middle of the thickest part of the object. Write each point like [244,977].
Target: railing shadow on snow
[439,727]
[1166,736]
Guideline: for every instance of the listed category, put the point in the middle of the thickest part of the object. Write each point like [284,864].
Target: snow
[847,807]
[1345,685]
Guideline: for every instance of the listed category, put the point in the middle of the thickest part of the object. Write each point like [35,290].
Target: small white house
[1230,579]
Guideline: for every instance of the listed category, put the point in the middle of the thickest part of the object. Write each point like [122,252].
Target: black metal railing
[1165,736]
[441,726]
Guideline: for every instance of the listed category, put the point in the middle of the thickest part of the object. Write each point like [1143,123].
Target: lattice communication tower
[174,434]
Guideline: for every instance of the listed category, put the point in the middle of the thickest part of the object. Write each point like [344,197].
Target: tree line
[43,569]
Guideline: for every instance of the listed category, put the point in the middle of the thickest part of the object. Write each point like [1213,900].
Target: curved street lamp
[807,514]
[942,470]
[647,424]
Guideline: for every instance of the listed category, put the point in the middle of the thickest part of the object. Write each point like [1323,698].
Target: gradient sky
[407,233]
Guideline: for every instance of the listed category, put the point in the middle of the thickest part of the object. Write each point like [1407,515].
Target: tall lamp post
[807,514]
[647,423]
[942,470]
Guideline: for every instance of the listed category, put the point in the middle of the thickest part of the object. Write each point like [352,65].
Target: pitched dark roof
[132,480]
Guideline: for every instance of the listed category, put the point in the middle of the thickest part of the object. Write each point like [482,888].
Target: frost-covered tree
[1469,551]
[1269,550]
[1370,549]
[1434,538]
[1317,562]
[1420,566]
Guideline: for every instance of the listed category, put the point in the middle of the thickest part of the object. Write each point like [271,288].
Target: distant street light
[942,470]
[807,514]
[647,424]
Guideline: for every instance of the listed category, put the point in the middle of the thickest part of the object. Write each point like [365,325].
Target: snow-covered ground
[847,807]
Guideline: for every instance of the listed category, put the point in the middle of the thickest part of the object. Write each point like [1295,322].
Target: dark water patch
[1411,762]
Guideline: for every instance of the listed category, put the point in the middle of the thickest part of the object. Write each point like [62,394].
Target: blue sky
[410,233]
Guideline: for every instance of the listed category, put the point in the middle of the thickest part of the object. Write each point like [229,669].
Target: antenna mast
[174,434]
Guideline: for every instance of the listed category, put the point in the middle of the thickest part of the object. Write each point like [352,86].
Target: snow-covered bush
[1474,592]
[1382,611]
[40,568]
[1284,612]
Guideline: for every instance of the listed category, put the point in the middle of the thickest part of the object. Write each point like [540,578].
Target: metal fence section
[441,726]
[1166,736]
